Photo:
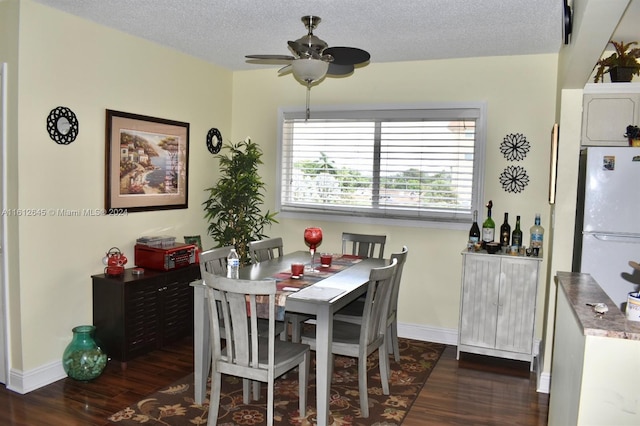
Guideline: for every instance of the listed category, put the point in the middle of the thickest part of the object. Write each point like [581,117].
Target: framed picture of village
[147,163]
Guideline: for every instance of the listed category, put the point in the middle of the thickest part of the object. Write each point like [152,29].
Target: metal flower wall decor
[514,147]
[514,179]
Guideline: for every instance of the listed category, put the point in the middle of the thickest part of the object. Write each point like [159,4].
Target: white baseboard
[24,382]
[429,334]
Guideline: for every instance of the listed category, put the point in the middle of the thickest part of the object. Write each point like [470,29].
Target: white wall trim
[428,334]
[24,382]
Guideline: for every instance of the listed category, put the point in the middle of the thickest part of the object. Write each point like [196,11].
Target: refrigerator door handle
[615,237]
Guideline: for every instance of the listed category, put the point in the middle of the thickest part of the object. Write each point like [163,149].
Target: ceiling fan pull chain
[308,100]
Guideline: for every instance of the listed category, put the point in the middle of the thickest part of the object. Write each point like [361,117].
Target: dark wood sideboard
[134,314]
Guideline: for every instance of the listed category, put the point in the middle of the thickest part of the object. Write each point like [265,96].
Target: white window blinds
[395,163]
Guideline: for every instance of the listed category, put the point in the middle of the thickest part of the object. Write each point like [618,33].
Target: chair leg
[256,390]
[363,390]
[384,368]
[246,391]
[270,391]
[394,340]
[296,330]
[303,380]
[214,399]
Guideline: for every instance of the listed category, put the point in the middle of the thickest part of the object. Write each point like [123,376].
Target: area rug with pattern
[174,405]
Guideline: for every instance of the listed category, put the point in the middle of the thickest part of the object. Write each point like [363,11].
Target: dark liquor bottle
[488,227]
[516,236]
[505,232]
[474,232]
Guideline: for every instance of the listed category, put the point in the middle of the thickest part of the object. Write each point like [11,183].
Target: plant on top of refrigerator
[633,132]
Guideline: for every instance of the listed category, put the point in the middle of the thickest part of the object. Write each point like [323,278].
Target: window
[421,164]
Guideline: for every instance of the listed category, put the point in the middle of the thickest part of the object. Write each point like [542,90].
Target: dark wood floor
[472,391]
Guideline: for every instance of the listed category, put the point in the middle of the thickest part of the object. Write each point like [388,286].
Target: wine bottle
[505,232]
[536,236]
[516,236]
[474,232]
[488,227]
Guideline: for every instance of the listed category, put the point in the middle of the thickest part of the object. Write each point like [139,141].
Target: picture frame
[553,163]
[146,163]
[193,239]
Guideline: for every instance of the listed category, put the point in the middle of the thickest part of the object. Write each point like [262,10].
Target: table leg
[324,333]
[201,344]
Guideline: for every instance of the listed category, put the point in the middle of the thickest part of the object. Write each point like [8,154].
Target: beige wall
[75,63]
[431,281]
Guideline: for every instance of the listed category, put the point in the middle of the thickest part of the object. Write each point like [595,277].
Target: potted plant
[633,134]
[621,65]
[233,208]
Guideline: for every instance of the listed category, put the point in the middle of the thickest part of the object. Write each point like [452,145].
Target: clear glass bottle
[505,232]
[474,232]
[516,235]
[233,264]
[536,236]
[488,226]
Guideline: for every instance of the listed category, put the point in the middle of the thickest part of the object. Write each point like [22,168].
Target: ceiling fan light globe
[309,70]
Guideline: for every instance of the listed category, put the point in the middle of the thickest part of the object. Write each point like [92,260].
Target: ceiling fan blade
[347,55]
[271,57]
[302,50]
[337,69]
[286,69]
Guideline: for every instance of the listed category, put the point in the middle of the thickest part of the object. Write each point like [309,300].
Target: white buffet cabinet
[498,305]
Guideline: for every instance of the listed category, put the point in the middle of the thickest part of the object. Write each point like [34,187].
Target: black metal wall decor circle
[214,140]
[514,179]
[514,147]
[62,125]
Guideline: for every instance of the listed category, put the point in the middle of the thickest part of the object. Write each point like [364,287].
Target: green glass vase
[83,359]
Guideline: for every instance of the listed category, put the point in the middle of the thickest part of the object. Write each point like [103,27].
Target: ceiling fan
[314,59]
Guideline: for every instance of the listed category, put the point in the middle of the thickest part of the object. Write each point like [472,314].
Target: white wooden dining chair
[353,311]
[363,245]
[266,249]
[360,340]
[215,262]
[244,353]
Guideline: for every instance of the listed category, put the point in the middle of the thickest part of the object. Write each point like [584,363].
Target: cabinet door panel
[517,305]
[606,117]
[177,311]
[479,301]
[141,317]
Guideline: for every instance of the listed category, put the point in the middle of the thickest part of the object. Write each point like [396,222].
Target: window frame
[462,221]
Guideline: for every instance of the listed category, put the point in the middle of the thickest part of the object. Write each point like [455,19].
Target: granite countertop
[581,289]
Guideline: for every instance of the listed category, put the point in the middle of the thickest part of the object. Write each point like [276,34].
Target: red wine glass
[313,238]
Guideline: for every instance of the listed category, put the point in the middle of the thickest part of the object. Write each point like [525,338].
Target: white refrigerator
[608,219]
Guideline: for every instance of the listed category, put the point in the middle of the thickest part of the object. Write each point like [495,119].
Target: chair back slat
[363,245]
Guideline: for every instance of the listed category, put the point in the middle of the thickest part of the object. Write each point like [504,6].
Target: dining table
[328,290]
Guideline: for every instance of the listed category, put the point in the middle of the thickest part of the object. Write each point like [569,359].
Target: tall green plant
[233,209]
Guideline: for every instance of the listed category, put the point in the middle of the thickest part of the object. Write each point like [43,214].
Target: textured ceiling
[223,31]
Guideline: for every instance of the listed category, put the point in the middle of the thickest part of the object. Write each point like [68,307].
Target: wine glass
[313,238]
